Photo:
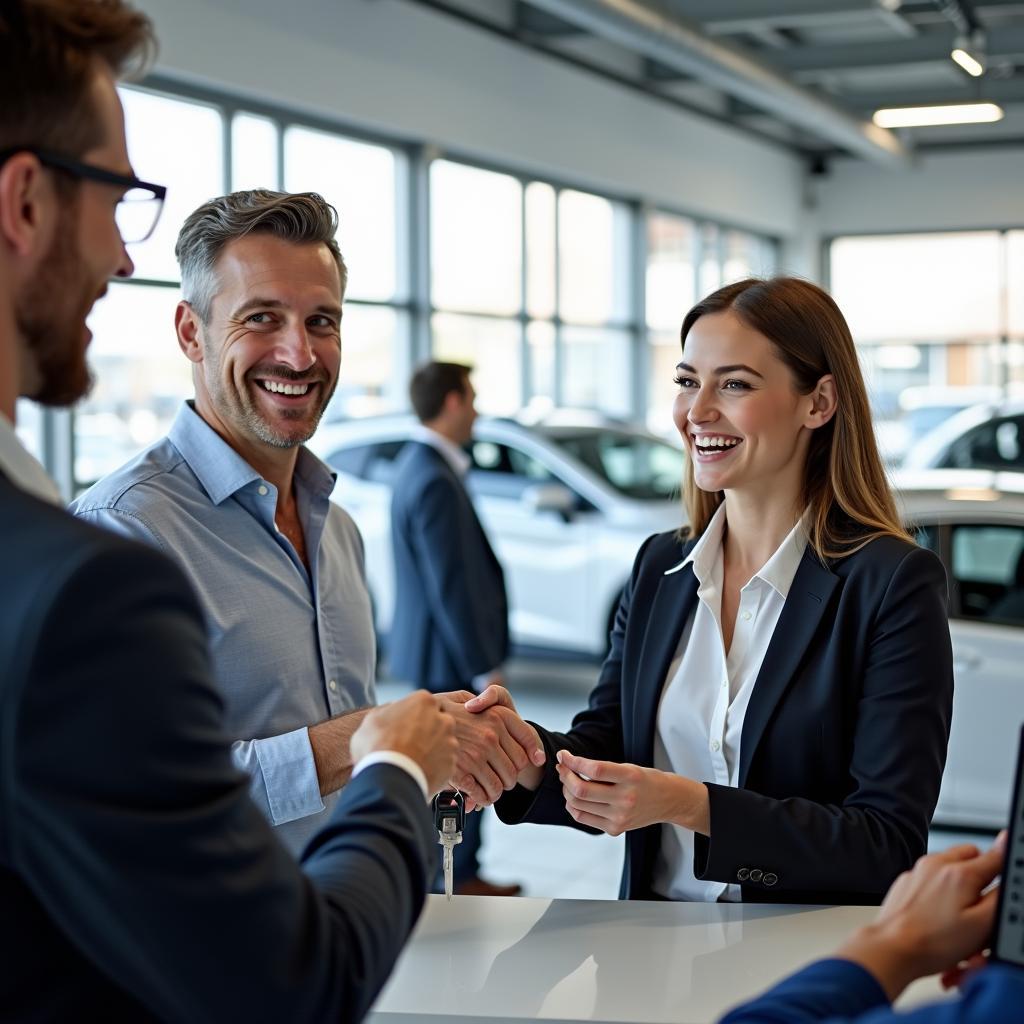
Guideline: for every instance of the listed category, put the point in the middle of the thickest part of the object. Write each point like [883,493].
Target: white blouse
[706,693]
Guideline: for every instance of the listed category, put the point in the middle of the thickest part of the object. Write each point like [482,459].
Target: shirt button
[746,616]
[263,491]
[716,746]
[333,686]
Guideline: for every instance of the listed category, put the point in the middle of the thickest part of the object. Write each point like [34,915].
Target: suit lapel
[805,605]
[674,601]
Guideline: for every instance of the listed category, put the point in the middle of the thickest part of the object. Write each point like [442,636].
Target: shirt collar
[778,572]
[221,471]
[453,454]
[21,468]
[702,554]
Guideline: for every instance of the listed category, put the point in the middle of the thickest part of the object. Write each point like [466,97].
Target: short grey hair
[299,217]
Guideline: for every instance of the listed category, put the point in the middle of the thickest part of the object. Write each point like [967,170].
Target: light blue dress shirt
[290,648]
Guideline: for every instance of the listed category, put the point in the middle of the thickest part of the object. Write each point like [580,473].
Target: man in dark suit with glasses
[137,880]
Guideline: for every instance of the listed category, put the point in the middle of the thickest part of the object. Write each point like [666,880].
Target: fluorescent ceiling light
[968,62]
[950,113]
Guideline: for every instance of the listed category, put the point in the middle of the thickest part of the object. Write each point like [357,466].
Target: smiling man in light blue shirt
[235,498]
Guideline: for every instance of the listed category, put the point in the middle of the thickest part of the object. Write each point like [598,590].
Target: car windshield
[636,466]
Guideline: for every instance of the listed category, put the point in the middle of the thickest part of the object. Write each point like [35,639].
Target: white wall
[400,68]
[944,191]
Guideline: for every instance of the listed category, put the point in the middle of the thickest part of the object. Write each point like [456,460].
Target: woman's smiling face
[738,410]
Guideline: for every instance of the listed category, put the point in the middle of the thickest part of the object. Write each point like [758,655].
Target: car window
[996,444]
[988,572]
[380,463]
[350,460]
[500,470]
[636,466]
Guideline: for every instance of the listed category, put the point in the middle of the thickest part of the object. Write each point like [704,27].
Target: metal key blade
[448,861]
[449,819]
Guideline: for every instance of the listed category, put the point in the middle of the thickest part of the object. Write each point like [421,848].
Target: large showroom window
[938,319]
[142,377]
[687,260]
[531,284]
[537,283]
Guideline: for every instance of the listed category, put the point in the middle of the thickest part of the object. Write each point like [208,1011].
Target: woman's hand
[616,798]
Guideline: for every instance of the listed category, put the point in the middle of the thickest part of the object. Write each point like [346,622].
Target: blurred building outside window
[553,301]
[937,319]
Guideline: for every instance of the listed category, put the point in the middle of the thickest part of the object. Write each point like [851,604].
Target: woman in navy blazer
[838,756]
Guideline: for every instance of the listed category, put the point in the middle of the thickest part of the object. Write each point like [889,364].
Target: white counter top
[488,959]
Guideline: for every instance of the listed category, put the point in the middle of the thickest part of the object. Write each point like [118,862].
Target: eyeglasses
[138,210]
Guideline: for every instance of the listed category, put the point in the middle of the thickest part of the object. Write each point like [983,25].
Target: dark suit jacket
[844,738]
[137,880]
[841,992]
[451,612]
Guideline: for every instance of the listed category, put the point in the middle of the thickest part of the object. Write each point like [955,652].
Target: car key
[450,820]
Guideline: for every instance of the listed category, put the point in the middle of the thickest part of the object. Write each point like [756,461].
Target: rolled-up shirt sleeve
[282,775]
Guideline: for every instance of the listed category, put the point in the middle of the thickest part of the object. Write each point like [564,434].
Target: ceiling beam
[1010,90]
[677,43]
[927,48]
[739,15]
[539,23]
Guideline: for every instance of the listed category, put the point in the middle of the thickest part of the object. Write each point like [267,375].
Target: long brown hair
[846,492]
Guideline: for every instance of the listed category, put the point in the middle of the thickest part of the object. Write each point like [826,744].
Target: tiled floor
[562,862]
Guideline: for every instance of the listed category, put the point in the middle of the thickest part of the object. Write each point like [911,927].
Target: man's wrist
[886,954]
[399,760]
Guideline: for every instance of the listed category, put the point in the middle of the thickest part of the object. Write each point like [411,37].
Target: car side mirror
[550,498]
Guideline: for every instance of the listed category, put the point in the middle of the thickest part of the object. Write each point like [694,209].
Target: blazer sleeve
[897,754]
[837,991]
[842,992]
[128,821]
[596,732]
[454,607]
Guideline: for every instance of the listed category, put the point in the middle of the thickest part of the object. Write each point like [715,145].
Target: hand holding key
[416,726]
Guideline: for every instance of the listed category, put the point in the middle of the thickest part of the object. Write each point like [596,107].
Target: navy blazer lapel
[673,604]
[467,498]
[805,605]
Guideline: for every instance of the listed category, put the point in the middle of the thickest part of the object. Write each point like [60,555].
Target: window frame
[413,302]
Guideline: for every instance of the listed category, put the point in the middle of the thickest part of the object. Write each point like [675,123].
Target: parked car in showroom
[989,436]
[922,408]
[974,521]
[566,501]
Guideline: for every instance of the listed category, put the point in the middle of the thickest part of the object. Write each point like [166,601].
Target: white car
[974,521]
[566,502]
[985,436]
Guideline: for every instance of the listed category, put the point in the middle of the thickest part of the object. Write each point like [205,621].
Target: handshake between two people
[480,745]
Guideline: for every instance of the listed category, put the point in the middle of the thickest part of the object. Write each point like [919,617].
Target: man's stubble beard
[244,409]
[50,312]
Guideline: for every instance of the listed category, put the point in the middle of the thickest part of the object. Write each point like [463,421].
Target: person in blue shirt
[234,496]
[937,917]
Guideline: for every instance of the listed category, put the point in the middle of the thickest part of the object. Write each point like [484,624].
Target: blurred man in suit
[450,626]
[137,879]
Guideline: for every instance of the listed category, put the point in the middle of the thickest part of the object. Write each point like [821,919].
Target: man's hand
[496,747]
[934,916]
[616,798]
[416,726]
